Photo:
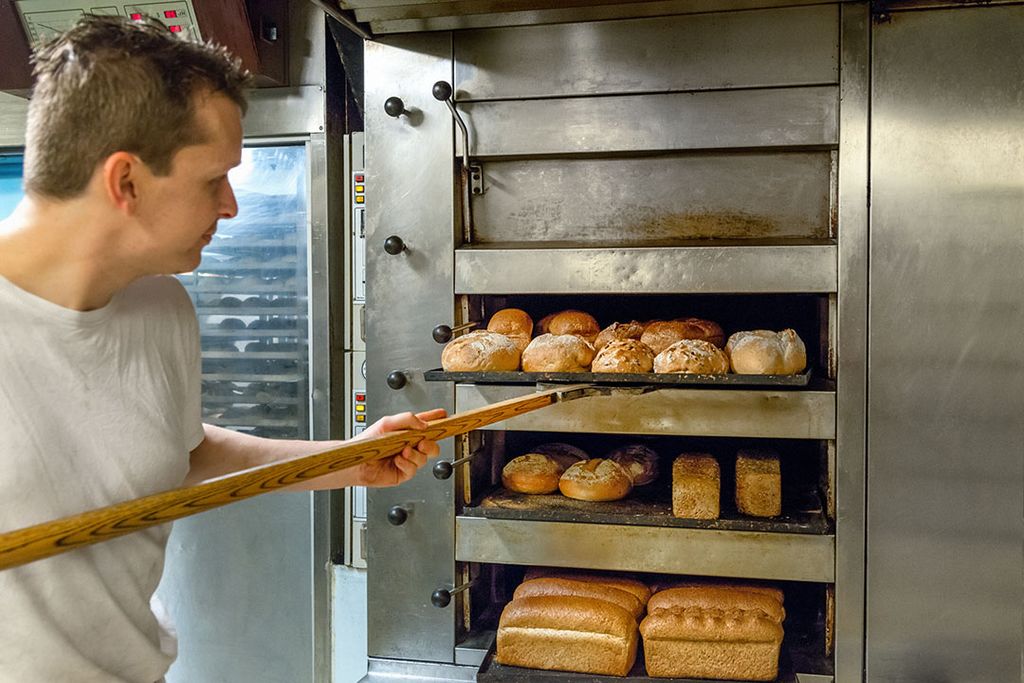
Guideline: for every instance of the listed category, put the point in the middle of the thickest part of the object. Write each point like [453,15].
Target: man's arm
[224,451]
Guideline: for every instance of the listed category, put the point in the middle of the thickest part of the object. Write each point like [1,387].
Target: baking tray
[668,379]
[492,672]
[804,515]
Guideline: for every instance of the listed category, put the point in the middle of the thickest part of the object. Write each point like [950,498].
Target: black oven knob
[441,598]
[442,334]
[442,91]
[394,106]
[397,515]
[397,379]
[442,470]
[394,245]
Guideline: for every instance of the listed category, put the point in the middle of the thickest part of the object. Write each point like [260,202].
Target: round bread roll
[557,353]
[480,351]
[763,352]
[596,479]
[532,473]
[630,330]
[662,334]
[514,323]
[543,325]
[639,461]
[624,355]
[563,453]
[692,356]
[574,322]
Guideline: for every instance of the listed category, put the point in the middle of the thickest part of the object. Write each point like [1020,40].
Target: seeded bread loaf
[758,483]
[696,482]
[692,356]
[481,351]
[617,331]
[661,334]
[596,479]
[624,355]
[639,461]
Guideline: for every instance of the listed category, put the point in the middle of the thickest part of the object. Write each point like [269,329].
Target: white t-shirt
[96,408]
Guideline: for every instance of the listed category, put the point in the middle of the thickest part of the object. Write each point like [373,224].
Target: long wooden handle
[52,538]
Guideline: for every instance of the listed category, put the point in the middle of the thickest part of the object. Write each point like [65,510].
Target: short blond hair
[109,85]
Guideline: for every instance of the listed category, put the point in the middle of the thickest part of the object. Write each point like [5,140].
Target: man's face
[178,213]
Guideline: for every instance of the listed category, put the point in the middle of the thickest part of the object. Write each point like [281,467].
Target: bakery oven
[702,165]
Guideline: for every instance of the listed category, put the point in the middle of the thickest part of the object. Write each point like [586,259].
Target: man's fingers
[415,455]
[430,449]
[430,415]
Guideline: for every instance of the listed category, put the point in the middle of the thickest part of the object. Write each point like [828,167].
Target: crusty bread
[514,323]
[596,479]
[574,322]
[567,633]
[714,631]
[692,356]
[584,589]
[628,584]
[696,481]
[661,334]
[758,483]
[481,351]
[639,461]
[763,352]
[670,583]
[558,353]
[564,453]
[533,473]
[615,331]
[624,355]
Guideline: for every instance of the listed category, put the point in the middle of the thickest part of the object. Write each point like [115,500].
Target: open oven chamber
[717,172]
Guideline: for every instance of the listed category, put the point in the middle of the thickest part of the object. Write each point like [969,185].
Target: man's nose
[228,203]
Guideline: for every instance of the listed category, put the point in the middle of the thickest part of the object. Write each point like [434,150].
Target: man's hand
[399,468]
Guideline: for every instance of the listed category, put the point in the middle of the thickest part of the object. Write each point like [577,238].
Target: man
[131,134]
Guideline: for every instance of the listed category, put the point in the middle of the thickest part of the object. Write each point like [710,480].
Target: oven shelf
[646,508]
[804,414]
[612,378]
[668,550]
[703,268]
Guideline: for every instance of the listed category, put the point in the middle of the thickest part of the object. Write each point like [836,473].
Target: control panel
[45,19]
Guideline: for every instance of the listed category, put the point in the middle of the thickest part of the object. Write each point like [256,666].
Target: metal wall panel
[616,547]
[662,270]
[617,200]
[410,186]
[13,116]
[945,430]
[766,48]
[721,119]
[691,412]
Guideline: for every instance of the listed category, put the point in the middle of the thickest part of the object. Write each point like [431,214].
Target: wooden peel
[52,538]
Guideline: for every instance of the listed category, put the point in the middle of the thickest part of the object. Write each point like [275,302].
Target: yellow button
[360,188]
[360,409]
[360,199]
[360,418]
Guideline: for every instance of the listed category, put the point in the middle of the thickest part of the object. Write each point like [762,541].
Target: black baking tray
[493,672]
[668,379]
[801,514]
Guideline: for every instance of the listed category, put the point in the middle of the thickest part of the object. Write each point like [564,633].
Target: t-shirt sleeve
[192,391]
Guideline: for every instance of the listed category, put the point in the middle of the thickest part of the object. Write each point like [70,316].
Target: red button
[171,13]
[175,29]
[360,397]
[360,177]
[136,16]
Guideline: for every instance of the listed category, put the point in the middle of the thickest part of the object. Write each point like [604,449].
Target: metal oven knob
[442,91]
[394,245]
[397,379]
[442,334]
[397,515]
[394,106]
[442,597]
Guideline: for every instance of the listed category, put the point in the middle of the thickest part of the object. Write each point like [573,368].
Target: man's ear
[121,175]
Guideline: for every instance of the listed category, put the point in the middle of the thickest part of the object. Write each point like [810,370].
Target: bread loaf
[565,454]
[628,584]
[763,352]
[584,589]
[670,583]
[596,479]
[696,479]
[692,356]
[616,331]
[567,633]
[661,334]
[714,631]
[558,353]
[533,473]
[574,322]
[513,323]
[639,461]
[758,483]
[624,355]
[480,351]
